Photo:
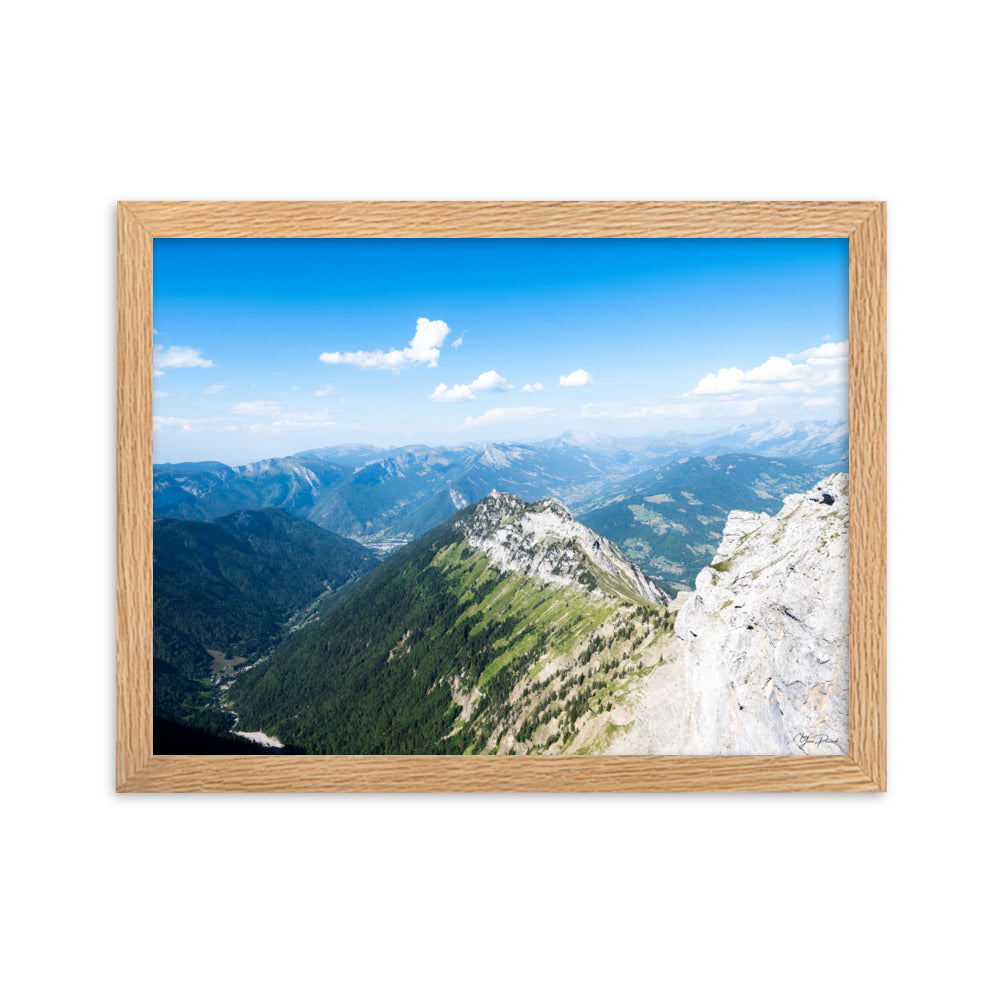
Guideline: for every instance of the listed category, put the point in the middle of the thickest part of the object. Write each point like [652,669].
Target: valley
[225,591]
[535,619]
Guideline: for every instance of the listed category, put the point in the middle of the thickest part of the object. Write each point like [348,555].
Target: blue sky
[268,347]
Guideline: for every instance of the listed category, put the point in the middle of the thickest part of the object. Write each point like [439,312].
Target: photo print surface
[480,496]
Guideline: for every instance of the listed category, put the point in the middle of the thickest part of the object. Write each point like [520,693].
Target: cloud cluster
[577,378]
[456,394]
[802,373]
[502,413]
[813,378]
[533,387]
[255,416]
[423,349]
[179,357]
[490,381]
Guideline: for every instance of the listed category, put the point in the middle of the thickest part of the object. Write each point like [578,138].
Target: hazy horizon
[513,441]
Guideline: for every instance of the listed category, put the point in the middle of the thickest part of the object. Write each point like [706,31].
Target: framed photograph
[501,496]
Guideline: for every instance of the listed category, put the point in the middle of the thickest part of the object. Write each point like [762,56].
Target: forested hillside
[443,650]
[222,592]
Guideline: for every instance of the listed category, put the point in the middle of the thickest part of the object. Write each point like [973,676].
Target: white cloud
[823,352]
[258,407]
[629,411]
[457,343]
[278,416]
[181,423]
[490,381]
[532,387]
[456,394]
[327,390]
[305,420]
[180,357]
[157,373]
[423,349]
[159,394]
[504,413]
[579,377]
[214,390]
[779,385]
[797,374]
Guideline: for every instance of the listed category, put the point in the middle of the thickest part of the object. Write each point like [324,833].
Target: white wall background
[809,896]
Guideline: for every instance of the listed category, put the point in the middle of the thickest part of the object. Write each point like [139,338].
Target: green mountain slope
[222,592]
[445,649]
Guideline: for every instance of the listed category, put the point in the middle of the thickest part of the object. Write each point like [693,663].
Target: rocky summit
[760,657]
[544,541]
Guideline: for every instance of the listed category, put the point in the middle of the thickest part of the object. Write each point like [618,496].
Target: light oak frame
[862,769]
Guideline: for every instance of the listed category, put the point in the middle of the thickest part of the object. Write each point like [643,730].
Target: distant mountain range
[670,520]
[385,497]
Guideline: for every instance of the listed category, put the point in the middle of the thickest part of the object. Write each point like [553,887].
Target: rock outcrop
[760,662]
[544,541]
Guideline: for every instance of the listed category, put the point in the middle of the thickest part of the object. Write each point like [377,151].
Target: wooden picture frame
[862,769]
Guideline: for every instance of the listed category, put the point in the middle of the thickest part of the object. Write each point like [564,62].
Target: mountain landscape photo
[597,505]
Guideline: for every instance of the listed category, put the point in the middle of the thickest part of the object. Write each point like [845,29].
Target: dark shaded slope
[172,737]
[228,586]
[335,687]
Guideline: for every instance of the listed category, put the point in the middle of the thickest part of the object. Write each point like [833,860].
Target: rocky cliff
[544,541]
[760,661]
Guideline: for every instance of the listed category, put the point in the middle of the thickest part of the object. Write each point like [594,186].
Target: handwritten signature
[803,740]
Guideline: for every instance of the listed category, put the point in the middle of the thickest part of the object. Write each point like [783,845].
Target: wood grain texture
[867,460]
[512,219]
[134,473]
[863,223]
[501,774]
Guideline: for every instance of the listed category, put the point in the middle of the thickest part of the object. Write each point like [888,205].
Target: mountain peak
[585,439]
[544,541]
[495,456]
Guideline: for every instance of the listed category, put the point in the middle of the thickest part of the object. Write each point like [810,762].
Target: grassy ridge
[436,651]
